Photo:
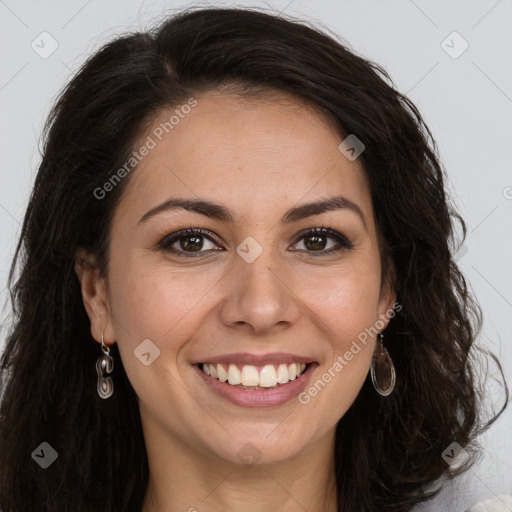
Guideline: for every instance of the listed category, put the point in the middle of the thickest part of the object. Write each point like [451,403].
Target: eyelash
[166,243]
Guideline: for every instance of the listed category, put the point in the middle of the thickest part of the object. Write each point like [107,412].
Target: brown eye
[187,242]
[191,242]
[316,240]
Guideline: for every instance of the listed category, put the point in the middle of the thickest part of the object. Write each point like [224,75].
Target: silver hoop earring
[104,364]
[382,369]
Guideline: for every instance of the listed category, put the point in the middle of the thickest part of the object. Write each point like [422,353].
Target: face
[252,288]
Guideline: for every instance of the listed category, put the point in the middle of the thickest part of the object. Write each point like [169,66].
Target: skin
[258,157]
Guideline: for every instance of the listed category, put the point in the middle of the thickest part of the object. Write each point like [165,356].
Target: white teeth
[282,374]
[234,375]
[250,376]
[267,377]
[223,374]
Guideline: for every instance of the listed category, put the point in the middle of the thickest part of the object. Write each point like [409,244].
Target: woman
[236,285]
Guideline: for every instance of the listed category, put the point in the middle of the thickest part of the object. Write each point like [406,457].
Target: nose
[259,297]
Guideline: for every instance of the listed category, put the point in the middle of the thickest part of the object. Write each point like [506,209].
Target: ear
[95,297]
[387,297]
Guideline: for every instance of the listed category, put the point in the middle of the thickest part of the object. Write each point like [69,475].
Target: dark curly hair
[388,450]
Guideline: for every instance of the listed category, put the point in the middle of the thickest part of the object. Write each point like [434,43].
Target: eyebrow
[223,214]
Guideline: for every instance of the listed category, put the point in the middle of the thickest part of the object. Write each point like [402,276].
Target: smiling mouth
[249,377]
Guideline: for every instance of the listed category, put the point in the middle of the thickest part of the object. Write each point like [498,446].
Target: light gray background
[466,101]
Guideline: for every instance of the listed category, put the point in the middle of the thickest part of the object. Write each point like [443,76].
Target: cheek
[151,302]
[345,311]
[346,302]
[344,306]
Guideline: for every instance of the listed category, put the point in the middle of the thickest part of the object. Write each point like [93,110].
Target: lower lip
[259,398]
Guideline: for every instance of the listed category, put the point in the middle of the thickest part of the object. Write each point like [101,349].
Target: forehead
[251,153]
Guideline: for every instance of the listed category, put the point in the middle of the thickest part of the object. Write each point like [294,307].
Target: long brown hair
[388,451]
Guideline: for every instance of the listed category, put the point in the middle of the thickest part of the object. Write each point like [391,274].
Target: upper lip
[256,360]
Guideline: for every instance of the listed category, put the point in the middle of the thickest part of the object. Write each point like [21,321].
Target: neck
[183,479]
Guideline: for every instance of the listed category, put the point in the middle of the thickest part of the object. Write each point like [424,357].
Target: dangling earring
[105,364]
[382,369]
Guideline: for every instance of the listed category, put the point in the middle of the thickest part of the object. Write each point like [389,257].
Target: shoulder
[501,503]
